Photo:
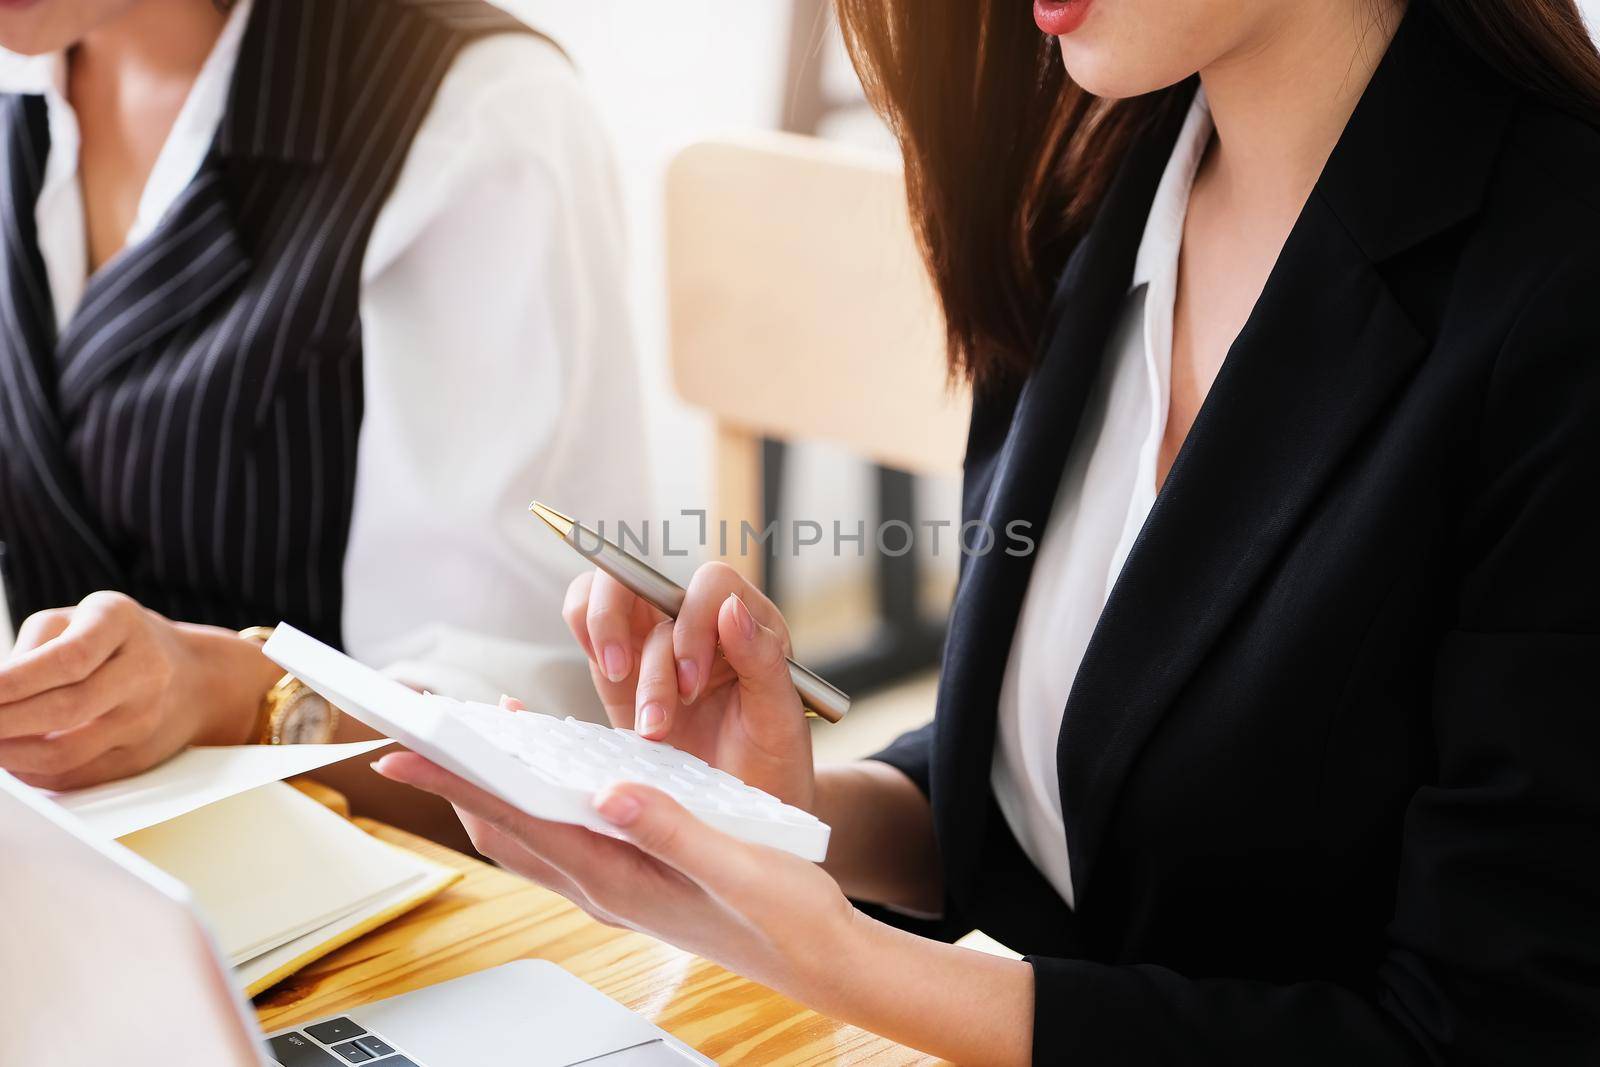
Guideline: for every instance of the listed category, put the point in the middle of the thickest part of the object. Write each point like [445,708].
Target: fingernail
[688,679]
[651,718]
[616,808]
[616,662]
[742,616]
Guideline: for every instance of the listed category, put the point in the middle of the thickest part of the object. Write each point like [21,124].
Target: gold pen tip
[561,524]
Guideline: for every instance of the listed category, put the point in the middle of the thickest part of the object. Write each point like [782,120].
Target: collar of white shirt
[42,74]
[1163,232]
[59,210]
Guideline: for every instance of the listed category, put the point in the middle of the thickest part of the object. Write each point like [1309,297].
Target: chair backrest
[801,310]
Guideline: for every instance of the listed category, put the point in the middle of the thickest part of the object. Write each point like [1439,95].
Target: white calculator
[549,768]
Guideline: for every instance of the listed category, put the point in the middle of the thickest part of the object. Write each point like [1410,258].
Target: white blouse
[1107,490]
[498,363]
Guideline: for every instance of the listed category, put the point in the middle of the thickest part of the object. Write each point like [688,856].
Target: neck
[152,39]
[1281,100]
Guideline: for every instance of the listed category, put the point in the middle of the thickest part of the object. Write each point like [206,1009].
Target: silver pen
[665,595]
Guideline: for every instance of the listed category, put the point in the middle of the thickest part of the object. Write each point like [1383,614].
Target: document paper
[197,777]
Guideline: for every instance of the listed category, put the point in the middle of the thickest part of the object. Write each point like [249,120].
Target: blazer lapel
[27,316]
[1015,456]
[198,251]
[1305,377]
[148,291]
[1323,352]
[30,423]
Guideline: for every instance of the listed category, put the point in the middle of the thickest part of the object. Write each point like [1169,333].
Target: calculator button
[581,757]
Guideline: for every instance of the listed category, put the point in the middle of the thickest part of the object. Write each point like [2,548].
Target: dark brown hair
[1006,159]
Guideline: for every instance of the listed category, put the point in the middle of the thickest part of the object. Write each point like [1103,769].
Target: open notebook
[282,879]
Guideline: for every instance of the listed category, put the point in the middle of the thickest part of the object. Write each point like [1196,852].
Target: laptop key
[353,1052]
[395,1061]
[295,1050]
[335,1030]
[372,1044]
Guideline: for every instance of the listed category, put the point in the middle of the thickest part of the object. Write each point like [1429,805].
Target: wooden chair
[801,310]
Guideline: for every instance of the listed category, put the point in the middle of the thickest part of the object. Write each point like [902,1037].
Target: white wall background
[663,76]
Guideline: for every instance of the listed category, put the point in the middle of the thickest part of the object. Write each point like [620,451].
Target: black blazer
[1331,766]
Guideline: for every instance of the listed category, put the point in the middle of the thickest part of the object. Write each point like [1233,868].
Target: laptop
[103,961]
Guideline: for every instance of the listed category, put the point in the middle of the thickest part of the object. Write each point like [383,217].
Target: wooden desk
[492,917]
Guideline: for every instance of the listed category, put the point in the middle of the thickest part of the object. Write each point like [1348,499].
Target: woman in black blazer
[1327,766]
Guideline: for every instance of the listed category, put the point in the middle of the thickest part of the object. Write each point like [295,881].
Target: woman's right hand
[714,683]
[107,689]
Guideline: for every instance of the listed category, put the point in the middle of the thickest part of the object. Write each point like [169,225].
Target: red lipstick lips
[1060,17]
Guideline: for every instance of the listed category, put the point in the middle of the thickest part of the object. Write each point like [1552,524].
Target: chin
[1106,71]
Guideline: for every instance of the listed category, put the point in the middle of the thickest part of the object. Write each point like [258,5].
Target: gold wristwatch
[292,713]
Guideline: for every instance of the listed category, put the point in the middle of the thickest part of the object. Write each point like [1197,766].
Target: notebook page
[271,865]
[257,973]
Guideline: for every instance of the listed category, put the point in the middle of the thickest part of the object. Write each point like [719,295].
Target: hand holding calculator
[547,767]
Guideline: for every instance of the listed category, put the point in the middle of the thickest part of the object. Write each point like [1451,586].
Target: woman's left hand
[758,911]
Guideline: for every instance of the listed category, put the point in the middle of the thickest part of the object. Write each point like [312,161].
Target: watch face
[306,719]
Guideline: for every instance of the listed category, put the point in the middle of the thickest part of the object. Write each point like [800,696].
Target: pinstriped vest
[190,436]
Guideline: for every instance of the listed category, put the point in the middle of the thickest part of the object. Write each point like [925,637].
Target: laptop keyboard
[335,1043]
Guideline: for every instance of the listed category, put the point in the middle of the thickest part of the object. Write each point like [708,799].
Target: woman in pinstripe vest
[269,270]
